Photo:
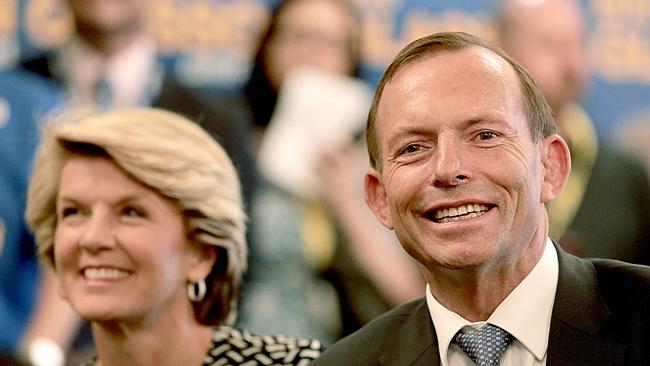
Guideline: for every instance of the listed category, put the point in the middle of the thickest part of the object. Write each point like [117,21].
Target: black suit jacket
[600,317]
[215,117]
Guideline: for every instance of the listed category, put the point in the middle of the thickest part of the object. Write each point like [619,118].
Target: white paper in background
[315,111]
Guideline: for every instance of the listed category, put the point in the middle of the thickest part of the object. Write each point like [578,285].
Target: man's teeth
[457,213]
[104,273]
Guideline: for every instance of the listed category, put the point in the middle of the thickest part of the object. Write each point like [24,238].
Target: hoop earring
[196,290]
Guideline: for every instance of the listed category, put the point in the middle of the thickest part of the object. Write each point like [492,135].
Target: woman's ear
[556,160]
[202,259]
[376,198]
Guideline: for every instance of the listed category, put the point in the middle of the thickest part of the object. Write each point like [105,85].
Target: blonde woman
[139,213]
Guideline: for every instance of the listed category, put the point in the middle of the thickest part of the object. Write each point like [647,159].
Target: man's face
[548,39]
[109,16]
[461,179]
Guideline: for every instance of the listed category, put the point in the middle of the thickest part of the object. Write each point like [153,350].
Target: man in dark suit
[465,157]
[111,62]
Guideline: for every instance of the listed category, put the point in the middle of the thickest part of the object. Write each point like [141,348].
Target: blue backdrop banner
[208,43]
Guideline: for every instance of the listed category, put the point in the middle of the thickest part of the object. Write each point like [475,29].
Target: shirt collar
[525,312]
[129,71]
[79,66]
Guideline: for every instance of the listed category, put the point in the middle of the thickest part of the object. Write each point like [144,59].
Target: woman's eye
[69,211]
[132,212]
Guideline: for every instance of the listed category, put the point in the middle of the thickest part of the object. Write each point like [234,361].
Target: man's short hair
[538,113]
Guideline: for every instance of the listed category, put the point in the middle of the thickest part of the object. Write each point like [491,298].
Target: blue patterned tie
[485,345]
[103,94]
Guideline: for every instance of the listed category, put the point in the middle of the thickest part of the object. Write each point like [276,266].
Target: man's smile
[462,212]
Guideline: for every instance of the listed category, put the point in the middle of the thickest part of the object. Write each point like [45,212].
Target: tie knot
[485,345]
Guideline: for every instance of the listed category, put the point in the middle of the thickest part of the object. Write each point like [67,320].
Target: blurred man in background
[592,217]
[111,61]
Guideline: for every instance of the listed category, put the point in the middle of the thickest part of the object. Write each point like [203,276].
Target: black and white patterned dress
[231,346]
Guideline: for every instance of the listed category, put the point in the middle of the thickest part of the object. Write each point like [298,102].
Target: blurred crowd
[320,265]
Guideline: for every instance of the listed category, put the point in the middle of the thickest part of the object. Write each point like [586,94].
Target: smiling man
[464,158]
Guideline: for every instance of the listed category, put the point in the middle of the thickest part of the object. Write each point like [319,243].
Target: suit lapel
[415,343]
[578,315]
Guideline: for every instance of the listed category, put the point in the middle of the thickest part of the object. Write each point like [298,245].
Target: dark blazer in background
[215,117]
[613,220]
[601,316]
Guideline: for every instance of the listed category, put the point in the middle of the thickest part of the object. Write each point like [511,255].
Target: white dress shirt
[132,73]
[525,313]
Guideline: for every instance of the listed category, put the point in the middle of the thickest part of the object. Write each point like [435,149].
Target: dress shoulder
[232,346]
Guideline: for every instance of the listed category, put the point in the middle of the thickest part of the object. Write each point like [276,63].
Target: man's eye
[411,148]
[486,135]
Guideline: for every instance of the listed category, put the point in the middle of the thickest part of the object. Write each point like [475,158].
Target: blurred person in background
[139,213]
[301,248]
[633,136]
[593,217]
[25,100]
[111,62]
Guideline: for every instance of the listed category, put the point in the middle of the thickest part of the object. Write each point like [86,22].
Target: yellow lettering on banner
[378,46]
[621,57]
[620,43]
[205,25]
[248,19]
[164,13]
[419,24]
[48,23]
[380,43]
[386,7]
[8,17]
[631,9]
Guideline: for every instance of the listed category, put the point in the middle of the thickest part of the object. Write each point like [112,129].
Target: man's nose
[449,162]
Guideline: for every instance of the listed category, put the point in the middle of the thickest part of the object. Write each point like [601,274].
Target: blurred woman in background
[312,272]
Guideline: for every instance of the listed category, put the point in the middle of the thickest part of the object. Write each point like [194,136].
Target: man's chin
[462,260]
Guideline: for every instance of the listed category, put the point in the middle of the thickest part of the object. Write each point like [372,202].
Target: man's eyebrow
[408,131]
[483,119]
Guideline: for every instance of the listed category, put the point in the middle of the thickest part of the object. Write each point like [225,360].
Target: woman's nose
[98,232]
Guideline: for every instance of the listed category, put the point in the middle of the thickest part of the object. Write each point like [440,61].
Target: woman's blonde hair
[173,156]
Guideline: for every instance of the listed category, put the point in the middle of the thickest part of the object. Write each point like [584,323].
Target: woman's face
[315,33]
[120,249]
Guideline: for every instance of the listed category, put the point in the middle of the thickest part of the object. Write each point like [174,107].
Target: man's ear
[556,160]
[376,198]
